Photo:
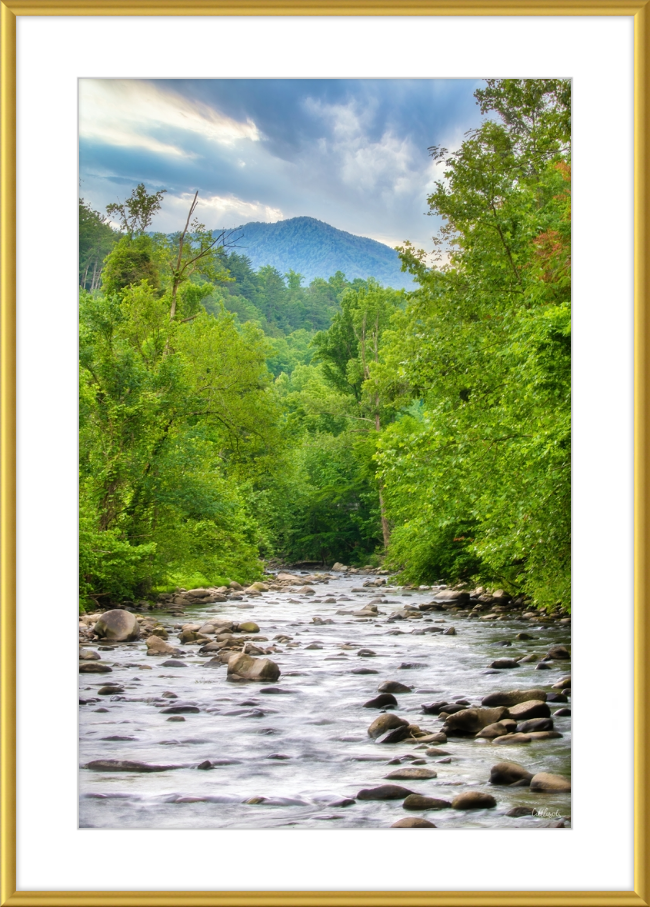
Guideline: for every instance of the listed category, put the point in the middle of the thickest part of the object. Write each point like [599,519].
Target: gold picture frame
[9,11]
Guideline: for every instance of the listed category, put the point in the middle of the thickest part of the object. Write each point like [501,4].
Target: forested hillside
[316,249]
[232,409]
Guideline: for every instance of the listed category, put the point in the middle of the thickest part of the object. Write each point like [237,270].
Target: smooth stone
[125,765]
[469,722]
[109,689]
[367,653]
[512,739]
[513,697]
[523,711]
[518,812]
[412,822]
[562,713]
[249,627]
[381,701]
[558,652]
[249,668]
[176,718]
[563,683]
[394,736]
[547,782]
[173,663]
[536,724]
[411,774]
[505,663]
[418,802]
[435,751]
[94,667]
[384,792]
[509,773]
[363,671]
[117,625]
[384,723]
[498,729]
[474,799]
[393,686]
[180,709]
[89,655]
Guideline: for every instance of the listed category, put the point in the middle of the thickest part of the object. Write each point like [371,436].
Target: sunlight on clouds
[130,112]
[218,210]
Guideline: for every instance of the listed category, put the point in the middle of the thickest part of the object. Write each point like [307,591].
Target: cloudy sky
[352,153]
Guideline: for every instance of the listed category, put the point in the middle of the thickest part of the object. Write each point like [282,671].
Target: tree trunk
[385,528]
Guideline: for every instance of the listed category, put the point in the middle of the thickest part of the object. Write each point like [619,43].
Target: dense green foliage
[479,484]
[96,239]
[316,249]
[231,414]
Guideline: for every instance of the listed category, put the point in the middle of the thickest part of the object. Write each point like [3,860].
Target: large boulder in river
[512,697]
[509,773]
[117,625]
[451,595]
[245,666]
[384,723]
[532,709]
[468,722]
[545,781]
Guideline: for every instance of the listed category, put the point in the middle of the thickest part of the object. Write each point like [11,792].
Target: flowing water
[295,754]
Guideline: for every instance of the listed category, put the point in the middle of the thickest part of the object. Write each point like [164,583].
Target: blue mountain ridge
[316,249]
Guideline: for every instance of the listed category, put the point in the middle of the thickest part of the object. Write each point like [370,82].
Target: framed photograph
[359,300]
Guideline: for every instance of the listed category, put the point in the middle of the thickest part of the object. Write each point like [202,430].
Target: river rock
[504,663]
[547,782]
[394,736]
[248,668]
[384,792]
[125,765]
[558,652]
[158,646]
[94,667]
[498,729]
[543,735]
[512,697]
[436,751]
[411,774]
[412,822]
[180,708]
[384,723]
[512,739]
[419,802]
[249,626]
[509,773]
[536,724]
[367,653]
[469,722]
[451,595]
[474,799]
[393,686]
[564,683]
[117,625]
[110,689]
[562,713]
[173,663]
[517,812]
[89,655]
[381,701]
[522,711]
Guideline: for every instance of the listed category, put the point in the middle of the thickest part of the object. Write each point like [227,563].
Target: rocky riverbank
[270,691]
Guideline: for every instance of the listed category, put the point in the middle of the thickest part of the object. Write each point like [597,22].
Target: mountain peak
[314,248]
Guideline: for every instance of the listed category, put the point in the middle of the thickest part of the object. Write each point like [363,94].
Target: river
[297,754]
